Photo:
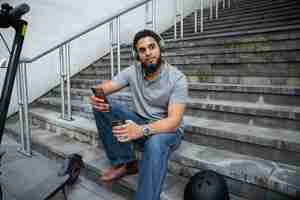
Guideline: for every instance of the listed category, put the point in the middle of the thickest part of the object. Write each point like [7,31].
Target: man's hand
[128,132]
[99,104]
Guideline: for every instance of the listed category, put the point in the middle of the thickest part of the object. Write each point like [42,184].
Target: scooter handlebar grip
[20,10]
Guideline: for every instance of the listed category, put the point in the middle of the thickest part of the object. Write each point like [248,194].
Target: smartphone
[98,92]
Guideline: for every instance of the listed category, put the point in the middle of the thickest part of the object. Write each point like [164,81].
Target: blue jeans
[157,150]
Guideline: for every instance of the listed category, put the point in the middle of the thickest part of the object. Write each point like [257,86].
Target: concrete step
[55,145]
[203,78]
[194,57]
[237,13]
[253,8]
[273,70]
[191,33]
[278,145]
[275,64]
[260,94]
[248,177]
[258,4]
[272,144]
[241,40]
[230,34]
[263,16]
[197,47]
[265,115]
[38,167]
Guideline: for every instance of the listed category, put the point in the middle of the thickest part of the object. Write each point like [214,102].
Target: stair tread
[95,160]
[279,108]
[263,173]
[235,33]
[272,137]
[236,104]
[269,89]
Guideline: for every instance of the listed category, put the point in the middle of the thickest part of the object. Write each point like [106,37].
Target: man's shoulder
[174,72]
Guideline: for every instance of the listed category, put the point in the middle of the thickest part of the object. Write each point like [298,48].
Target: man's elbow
[176,123]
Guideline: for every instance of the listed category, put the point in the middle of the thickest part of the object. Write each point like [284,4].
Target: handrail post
[228,3]
[62,80]
[175,20]
[154,15]
[23,110]
[211,9]
[217,9]
[111,35]
[201,13]
[196,20]
[181,19]
[65,73]
[146,15]
[21,107]
[118,44]
[68,65]
[223,1]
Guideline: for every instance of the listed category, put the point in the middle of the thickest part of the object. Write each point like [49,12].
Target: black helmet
[206,185]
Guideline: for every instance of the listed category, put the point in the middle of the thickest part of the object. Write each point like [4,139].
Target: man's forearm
[166,125]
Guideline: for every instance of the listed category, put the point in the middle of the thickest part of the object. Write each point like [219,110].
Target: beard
[152,67]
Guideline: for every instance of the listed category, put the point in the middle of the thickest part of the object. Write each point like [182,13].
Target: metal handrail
[64,55]
[103,21]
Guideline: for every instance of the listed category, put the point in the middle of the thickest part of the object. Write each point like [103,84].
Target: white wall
[53,21]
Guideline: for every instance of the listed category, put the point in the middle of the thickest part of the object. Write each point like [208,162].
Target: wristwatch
[147,131]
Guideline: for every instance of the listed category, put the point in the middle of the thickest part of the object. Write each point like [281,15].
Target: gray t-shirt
[152,98]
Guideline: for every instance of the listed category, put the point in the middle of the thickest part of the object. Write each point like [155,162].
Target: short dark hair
[206,185]
[145,33]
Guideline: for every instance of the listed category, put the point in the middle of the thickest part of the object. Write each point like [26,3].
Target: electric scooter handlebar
[20,10]
[8,14]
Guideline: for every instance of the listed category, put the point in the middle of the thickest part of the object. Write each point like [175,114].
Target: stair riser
[271,119]
[206,138]
[73,133]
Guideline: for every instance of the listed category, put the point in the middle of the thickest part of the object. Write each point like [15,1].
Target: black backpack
[206,185]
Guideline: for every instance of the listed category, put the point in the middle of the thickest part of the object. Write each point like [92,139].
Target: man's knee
[158,144]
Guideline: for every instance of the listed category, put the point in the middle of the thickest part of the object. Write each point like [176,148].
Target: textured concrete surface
[82,189]
[256,174]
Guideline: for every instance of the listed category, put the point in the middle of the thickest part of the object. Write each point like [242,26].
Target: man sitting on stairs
[159,93]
